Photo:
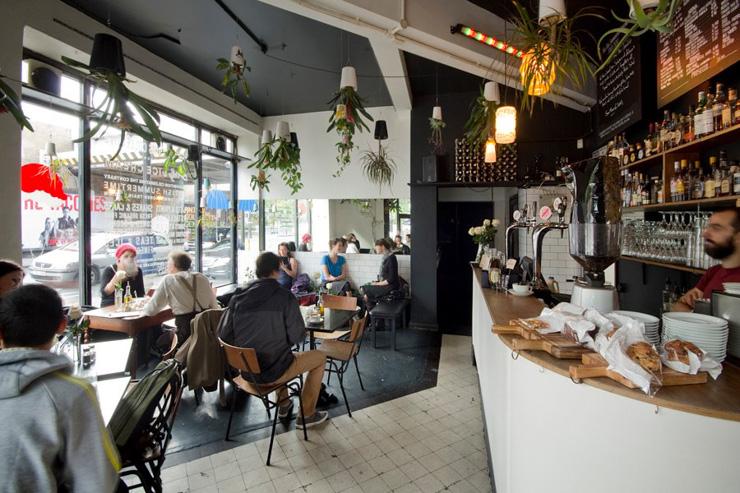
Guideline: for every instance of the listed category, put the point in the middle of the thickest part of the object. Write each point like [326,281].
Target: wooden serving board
[516,330]
[595,366]
[556,345]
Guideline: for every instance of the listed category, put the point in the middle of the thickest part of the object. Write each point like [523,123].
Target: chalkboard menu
[618,90]
[705,40]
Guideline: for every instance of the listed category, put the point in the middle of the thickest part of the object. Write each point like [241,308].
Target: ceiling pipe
[513,82]
[235,18]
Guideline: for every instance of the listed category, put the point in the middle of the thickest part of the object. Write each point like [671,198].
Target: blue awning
[216,199]
[248,205]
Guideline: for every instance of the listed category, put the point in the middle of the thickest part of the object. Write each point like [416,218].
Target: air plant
[260,180]
[481,121]
[639,22]
[551,48]
[234,73]
[378,167]
[119,107]
[436,126]
[281,155]
[10,102]
[347,117]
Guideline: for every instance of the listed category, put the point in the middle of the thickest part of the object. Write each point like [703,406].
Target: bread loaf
[644,355]
[678,350]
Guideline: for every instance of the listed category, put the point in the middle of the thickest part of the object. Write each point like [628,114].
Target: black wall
[641,286]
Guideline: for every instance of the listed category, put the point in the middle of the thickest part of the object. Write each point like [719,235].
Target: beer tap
[522,220]
[538,236]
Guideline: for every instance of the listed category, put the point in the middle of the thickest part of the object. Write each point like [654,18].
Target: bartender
[721,242]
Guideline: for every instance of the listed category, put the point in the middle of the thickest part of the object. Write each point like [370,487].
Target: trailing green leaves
[378,167]
[10,102]
[279,155]
[348,111]
[435,138]
[173,161]
[234,78]
[480,124]
[119,108]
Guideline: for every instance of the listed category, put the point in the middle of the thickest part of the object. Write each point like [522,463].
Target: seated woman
[334,266]
[124,273]
[187,293]
[11,276]
[388,276]
[351,246]
[288,266]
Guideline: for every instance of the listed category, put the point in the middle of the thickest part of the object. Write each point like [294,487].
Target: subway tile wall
[556,259]
[363,267]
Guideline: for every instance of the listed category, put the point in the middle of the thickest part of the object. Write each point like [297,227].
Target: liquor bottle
[627,200]
[681,182]
[709,115]
[728,109]
[676,132]
[736,112]
[709,182]
[648,142]
[725,187]
[699,126]
[674,181]
[665,136]
[718,107]
[659,194]
[698,189]
[654,190]
[736,181]
[633,154]
[717,176]
[688,134]
[640,152]
[645,191]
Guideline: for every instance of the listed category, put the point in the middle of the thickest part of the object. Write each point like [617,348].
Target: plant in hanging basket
[173,161]
[10,102]
[119,107]
[234,73]
[552,51]
[346,118]
[640,21]
[481,121]
[261,181]
[435,139]
[378,167]
[280,155]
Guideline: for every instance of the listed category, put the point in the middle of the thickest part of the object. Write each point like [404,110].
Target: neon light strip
[487,40]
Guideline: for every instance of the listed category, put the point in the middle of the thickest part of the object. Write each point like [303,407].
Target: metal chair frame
[339,367]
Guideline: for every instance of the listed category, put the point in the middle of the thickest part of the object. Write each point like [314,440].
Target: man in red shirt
[722,242]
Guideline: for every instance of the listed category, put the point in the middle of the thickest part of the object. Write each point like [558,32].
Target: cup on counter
[521,288]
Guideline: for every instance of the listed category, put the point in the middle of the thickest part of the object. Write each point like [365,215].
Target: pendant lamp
[349,78]
[551,12]
[490,154]
[381,130]
[536,76]
[505,124]
[107,54]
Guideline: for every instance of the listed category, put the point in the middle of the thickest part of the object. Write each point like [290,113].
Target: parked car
[60,266]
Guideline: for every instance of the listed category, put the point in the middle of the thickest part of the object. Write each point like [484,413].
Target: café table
[130,323]
[111,360]
[317,330]
[110,392]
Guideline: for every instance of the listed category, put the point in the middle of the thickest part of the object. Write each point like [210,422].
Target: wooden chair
[173,348]
[334,302]
[245,361]
[339,354]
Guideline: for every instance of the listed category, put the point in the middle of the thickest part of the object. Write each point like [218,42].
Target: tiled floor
[423,442]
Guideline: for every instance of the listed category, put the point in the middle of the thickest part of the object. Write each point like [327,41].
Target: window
[399,218]
[280,223]
[134,201]
[177,127]
[248,225]
[216,220]
[70,88]
[49,223]
[304,218]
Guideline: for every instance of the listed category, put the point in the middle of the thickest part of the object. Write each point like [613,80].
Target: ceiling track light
[486,40]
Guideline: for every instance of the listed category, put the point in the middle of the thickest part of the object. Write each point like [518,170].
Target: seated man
[57,440]
[187,293]
[721,242]
[266,317]
[124,273]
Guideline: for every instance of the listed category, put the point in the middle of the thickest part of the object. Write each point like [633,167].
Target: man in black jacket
[266,317]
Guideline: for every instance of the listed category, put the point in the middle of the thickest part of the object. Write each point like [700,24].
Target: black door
[455,250]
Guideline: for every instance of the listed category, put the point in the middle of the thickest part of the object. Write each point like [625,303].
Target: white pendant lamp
[490,154]
[237,56]
[282,130]
[266,137]
[551,12]
[437,113]
[647,6]
[490,92]
[505,125]
[349,78]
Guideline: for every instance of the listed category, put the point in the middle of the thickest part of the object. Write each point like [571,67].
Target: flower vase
[478,255]
[77,349]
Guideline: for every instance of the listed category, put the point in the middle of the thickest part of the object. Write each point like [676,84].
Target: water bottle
[118,298]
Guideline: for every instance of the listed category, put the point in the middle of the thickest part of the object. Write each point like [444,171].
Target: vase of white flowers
[484,235]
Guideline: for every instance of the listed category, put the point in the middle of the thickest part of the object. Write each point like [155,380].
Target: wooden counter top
[717,399]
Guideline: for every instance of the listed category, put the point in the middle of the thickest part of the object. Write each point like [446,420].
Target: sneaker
[317,418]
[285,411]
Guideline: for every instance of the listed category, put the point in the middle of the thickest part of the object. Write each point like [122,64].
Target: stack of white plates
[652,325]
[732,287]
[709,333]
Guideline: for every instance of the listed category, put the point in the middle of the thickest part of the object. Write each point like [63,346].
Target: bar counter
[546,433]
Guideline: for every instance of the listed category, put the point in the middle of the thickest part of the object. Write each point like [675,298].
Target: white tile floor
[424,442]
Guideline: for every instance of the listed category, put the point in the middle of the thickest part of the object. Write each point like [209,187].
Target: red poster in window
[37,177]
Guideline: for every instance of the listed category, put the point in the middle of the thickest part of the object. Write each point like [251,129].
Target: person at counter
[721,242]
[125,272]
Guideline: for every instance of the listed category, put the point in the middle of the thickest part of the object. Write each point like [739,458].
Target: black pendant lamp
[107,54]
[381,130]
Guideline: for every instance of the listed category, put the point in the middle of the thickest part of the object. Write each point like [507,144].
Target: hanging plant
[552,51]
[234,73]
[640,21]
[281,155]
[481,121]
[10,102]
[348,110]
[173,161]
[378,167]
[260,181]
[121,199]
[435,139]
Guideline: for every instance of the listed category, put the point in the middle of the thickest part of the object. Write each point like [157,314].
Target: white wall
[318,157]
[363,268]
[345,218]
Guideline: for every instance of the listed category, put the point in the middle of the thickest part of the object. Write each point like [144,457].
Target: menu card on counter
[705,41]
[618,90]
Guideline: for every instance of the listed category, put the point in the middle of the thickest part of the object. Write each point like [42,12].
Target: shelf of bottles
[470,167]
[664,170]
[665,265]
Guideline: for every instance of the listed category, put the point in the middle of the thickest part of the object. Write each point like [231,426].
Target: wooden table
[110,392]
[102,319]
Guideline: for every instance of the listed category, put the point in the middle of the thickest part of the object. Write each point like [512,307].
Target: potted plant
[378,167]
[280,154]
[482,119]
[436,124]
[120,105]
[10,102]
[234,73]
[348,110]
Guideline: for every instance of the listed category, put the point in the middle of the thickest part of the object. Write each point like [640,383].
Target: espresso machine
[595,228]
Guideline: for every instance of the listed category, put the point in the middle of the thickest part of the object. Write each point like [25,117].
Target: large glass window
[280,223]
[217,220]
[304,218]
[135,201]
[50,203]
[248,225]
[399,214]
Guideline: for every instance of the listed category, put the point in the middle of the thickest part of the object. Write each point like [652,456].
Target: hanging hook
[515,355]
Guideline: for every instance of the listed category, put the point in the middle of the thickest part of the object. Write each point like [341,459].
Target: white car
[60,266]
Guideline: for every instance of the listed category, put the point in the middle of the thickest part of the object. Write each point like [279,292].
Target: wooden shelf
[461,184]
[654,157]
[717,201]
[683,268]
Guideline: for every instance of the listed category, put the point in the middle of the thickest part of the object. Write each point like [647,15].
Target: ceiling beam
[393,67]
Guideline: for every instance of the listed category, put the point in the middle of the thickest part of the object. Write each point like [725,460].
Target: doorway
[455,251]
